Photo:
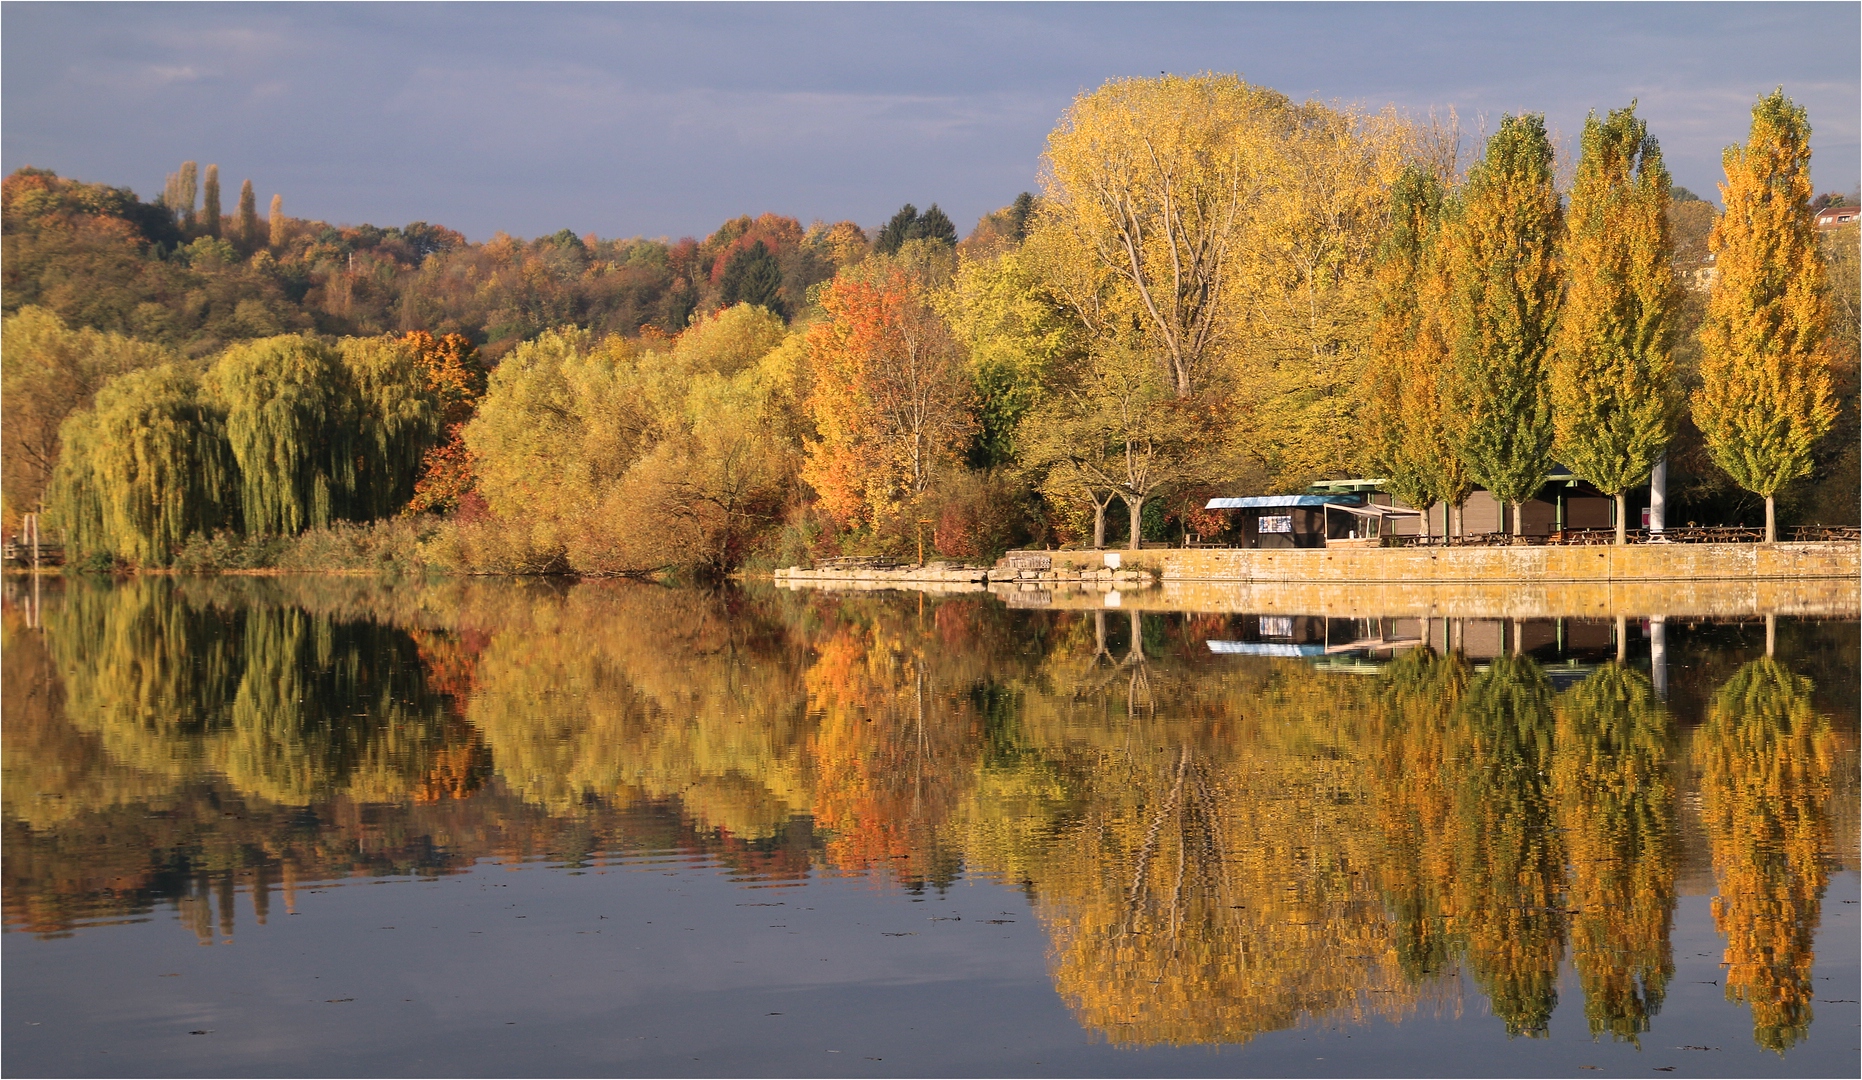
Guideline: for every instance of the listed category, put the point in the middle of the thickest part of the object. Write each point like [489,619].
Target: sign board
[1112,559]
[1276,523]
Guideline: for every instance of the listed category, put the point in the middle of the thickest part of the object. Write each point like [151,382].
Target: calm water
[318,826]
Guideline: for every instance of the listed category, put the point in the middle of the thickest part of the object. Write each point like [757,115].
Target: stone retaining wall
[1630,563]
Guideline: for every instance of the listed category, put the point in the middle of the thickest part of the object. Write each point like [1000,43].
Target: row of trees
[1245,847]
[1514,326]
[1219,289]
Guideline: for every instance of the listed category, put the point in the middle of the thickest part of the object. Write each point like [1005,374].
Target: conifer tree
[753,276]
[896,231]
[1765,397]
[248,215]
[1406,411]
[277,221]
[1614,397]
[1502,247]
[210,202]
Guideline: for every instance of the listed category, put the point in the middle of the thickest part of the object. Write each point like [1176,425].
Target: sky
[667,119]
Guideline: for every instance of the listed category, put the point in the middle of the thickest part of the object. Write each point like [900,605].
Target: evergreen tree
[896,231]
[753,276]
[1614,398]
[1019,212]
[277,221]
[1503,262]
[936,225]
[248,216]
[1405,410]
[210,202]
[1765,397]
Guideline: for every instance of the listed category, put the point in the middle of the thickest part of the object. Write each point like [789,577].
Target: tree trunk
[1099,525]
[1622,517]
[1771,519]
[1135,505]
[1519,520]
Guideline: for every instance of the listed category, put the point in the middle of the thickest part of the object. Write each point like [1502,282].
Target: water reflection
[1227,825]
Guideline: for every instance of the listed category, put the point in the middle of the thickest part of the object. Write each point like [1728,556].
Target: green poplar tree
[1764,399]
[248,216]
[1502,249]
[210,202]
[1614,397]
[187,190]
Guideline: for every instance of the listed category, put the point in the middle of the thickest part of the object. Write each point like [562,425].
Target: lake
[323,825]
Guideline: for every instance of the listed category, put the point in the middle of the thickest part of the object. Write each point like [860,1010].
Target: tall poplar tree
[1764,399]
[1502,248]
[1406,412]
[187,190]
[277,221]
[1614,398]
[210,202]
[248,216]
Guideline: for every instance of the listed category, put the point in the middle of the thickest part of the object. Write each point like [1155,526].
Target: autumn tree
[1017,338]
[1764,400]
[1147,192]
[1117,427]
[248,216]
[1502,247]
[1766,759]
[1407,411]
[890,399]
[48,372]
[1615,401]
[210,202]
[277,222]
[180,194]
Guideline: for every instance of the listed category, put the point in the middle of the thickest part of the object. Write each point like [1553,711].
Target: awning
[1376,511]
[1268,502]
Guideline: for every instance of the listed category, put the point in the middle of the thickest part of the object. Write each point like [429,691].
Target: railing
[1811,533]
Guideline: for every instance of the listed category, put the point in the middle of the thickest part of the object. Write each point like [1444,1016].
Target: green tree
[399,415]
[1503,257]
[210,202]
[1017,338]
[1615,401]
[144,469]
[753,276]
[1764,399]
[909,224]
[294,428]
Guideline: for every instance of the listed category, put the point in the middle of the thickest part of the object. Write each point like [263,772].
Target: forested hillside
[1218,290]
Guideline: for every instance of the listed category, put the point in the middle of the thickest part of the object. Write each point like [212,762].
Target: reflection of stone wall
[1631,563]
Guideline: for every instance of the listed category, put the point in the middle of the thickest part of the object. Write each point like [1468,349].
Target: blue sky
[665,119]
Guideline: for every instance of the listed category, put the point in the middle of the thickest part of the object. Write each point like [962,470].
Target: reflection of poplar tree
[1508,886]
[1765,761]
[1616,809]
[1422,690]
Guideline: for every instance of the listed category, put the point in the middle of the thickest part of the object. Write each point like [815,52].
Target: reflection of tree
[1506,899]
[288,704]
[1616,807]
[1765,757]
[1414,806]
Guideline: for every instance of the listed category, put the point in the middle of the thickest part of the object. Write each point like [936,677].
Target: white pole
[1658,497]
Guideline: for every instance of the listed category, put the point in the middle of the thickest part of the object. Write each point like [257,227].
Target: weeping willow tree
[399,417]
[143,469]
[291,420]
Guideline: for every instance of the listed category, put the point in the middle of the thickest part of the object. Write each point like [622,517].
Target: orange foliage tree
[453,373]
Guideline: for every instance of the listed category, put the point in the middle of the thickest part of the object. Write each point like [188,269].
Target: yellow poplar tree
[1502,247]
[1614,397]
[1764,400]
